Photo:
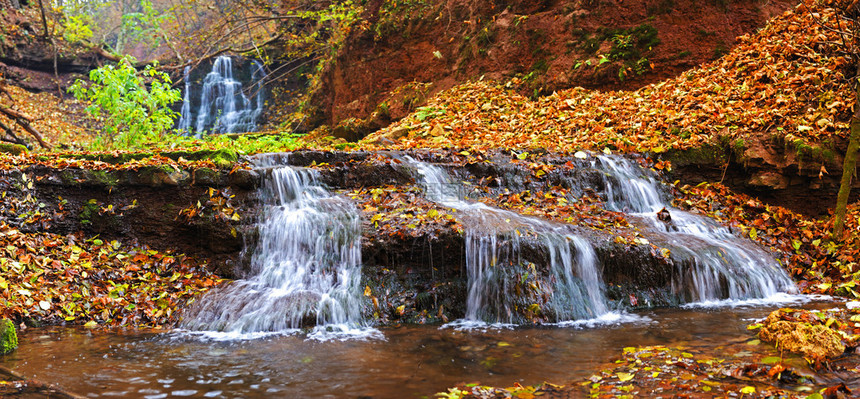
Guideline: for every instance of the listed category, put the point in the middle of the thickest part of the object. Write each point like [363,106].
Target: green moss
[8,336]
[111,158]
[738,147]
[104,178]
[630,44]
[224,158]
[88,211]
[14,149]
[708,154]
[343,146]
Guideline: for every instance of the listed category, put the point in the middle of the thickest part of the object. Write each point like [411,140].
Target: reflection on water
[411,362]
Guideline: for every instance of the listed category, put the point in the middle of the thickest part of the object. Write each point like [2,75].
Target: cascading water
[726,267]
[493,244]
[306,267]
[224,105]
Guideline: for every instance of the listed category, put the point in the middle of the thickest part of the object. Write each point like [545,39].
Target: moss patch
[8,336]
[707,154]
[223,158]
[14,149]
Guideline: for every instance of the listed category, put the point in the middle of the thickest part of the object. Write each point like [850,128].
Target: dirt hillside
[411,49]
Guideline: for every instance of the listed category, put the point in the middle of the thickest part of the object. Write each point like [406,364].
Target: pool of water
[410,362]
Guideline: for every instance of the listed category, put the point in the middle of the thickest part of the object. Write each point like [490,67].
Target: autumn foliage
[786,82]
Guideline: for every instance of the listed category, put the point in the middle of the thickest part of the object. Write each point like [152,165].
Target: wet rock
[770,180]
[245,179]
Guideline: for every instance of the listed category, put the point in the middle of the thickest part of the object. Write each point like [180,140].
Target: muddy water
[411,362]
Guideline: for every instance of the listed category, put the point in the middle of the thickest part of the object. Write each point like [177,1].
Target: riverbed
[402,362]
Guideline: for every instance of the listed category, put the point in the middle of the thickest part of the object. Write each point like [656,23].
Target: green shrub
[132,112]
[76,28]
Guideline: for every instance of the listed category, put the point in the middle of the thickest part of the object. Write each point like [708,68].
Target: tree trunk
[848,166]
[44,19]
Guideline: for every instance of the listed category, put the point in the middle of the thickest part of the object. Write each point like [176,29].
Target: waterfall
[306,267]
[726,266]
[224,105]
[493,248]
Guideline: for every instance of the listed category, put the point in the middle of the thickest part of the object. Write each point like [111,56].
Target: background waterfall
[223,104]
[306,267]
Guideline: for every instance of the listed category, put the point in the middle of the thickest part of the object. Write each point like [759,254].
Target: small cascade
[494,239]
[726,266]
[225,106]
[306,267]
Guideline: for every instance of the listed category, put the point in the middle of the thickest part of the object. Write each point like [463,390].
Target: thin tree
[848,27]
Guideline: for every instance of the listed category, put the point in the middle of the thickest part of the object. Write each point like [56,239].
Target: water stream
[726,266]
[412,362]
[493,244]
[305,268]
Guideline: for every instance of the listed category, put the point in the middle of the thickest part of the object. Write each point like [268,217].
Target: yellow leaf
[748,389]
[624,377]
[367,290]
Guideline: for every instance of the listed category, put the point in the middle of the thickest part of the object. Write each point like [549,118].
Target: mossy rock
[111,158]
[707,154]
[807,338]
[224,158]
[8,336]
[14,149]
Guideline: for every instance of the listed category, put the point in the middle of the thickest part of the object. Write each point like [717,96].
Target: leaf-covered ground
[787,81]
[55,279]
[48,278]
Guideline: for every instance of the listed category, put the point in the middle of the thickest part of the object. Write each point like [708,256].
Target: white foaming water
[778,299]
[726,267]
[493,238]
[224,107]
[305,269]
[607,319]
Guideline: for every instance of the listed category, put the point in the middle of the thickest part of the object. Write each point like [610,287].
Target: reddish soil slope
[412,48]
